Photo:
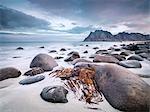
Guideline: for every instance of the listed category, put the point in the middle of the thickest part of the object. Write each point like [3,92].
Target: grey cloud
[79,29]
[110,10]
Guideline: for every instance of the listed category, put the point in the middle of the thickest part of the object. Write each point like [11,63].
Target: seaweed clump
[81,82]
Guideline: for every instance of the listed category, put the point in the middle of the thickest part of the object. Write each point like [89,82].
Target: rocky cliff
[100,35]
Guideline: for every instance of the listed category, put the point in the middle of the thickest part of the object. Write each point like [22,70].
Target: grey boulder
[130,64]
[54,94]
[72,56]
[105,58]
[123,89]
[80,60]
[135,57]
[44,61]
[9,72]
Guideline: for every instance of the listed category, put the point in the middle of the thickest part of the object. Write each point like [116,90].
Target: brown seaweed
[81,82]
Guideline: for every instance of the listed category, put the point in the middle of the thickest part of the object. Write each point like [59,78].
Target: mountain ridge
[101,35]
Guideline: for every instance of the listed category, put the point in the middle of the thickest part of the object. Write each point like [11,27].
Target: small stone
[62,49]
[85,52]
[32,79]
[52,51]
[20,48]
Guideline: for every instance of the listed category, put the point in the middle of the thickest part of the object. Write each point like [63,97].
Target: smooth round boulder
[105,58]
[34,71]
[144,55]
[125,53]
[9,72]
[119,57]
[44,61]
[31,80]
[54,94]
[72,56]
[80,60]
[130,64]
[135,57]
[123,89]
[101,52]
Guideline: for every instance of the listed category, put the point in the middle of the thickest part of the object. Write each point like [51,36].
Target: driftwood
[81,82]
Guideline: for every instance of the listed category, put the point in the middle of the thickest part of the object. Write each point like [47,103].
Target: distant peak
[101,35]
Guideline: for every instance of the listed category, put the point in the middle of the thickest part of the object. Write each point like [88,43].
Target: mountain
[100,35]
[13,19]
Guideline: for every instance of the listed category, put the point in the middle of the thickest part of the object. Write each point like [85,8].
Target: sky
[80,17]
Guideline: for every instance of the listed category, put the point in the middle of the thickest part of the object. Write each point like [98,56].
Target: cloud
[80,29]
[75,16]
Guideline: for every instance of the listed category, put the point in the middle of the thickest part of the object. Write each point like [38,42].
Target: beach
[26,98]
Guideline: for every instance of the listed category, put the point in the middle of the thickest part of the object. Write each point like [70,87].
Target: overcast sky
[82,16]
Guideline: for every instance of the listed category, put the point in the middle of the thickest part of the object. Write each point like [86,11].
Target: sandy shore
[26,98]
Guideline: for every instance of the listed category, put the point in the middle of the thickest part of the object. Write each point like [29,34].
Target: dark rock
[142,51]
[62,49]
[125,53]
[34,71]
[44,61]
[42,47]
[135,57]
[95,48]
[85,51]
[54,94]
[111,49]
[131,47]
[119,57]
[31,80]
[73,55]
[93,55]
[87,45]
[19,48]
[130,64]
[59,57]
[122,45]
[80,60]
[123,89]
[9,72]
[16,57]
[107,59]
[117,49]
[52,51]
[144,55]
[101,52]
